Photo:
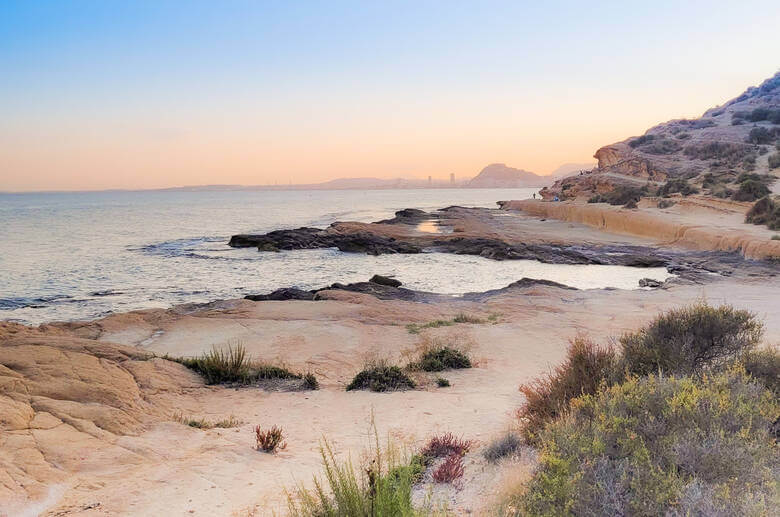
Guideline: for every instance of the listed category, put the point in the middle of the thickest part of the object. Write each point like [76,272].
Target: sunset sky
[107,94]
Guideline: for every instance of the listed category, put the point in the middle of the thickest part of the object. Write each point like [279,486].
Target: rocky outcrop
[314,238]
[59,394]
[655,226]
[385,280]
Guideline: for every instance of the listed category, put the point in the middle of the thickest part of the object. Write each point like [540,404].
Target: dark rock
[523,283]
[385,280]
[408,216]
[649,282]
[286,293]
[314,238]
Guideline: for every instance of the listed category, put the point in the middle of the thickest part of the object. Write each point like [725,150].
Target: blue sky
[138,94]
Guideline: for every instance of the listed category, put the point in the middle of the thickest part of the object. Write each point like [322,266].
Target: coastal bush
[729,153]
[661,146]
[380,488]
[665,203]
[438,358]
[677,185]
[449,470]
[507,445]
[750,190]
[660,446]
[380,376]
[310,381]
[445,444]
[620,195]
[641,140]
[587,368]
[762,135]
[271,440]
[764,367]
[764,211]
[690,340]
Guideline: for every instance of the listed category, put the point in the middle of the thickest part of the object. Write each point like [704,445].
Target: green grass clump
[380,376]
[202,423]
[467,318]
[661,446]
[439,358]
[231,364]
[380,488]
[690,340]
[442,382]
[415,328]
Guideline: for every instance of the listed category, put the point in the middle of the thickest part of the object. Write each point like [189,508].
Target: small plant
[202,423]
[229,364]
[310,382]
[502,447]
[442,382]
[467,318]
[445,445]
[271,440]
[380,376]
[665,203]
[750,190]
[450,469]
[439,358]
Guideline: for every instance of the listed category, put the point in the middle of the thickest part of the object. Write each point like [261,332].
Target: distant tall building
[452,178]
[429,181]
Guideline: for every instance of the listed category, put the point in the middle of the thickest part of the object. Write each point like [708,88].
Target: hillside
[498,175]
[710,152]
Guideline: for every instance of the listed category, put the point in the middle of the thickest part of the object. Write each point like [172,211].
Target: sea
[84,255]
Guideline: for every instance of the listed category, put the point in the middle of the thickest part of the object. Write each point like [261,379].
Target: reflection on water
[432,226]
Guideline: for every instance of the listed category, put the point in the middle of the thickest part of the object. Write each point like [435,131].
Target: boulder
[385,280]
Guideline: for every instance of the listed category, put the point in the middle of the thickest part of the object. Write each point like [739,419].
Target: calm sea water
[66,256]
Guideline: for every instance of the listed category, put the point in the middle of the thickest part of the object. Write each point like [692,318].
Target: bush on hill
[764,211]
[380,376]
[750,190]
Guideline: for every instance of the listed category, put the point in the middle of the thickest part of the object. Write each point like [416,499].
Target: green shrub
[202,423]
[760,135]
[660,446]
[620,195]
[665,203]
[641,140]
[677,185]
[764,211]
[764,367]
[750,190]
[442,382]
[310,382]
[439,358]
[730,153]
[379,376]
[462,317]
[507,445]
[587,367]
[690,340]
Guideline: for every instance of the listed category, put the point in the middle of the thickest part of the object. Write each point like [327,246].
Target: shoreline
[88,407]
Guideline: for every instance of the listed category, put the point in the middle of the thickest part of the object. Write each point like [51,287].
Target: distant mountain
[499,175]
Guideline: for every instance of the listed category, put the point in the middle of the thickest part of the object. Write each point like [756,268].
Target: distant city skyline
[101,95]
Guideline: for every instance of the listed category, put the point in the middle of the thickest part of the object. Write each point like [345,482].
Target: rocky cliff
[711,151]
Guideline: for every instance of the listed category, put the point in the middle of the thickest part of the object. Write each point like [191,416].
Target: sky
[107,94]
